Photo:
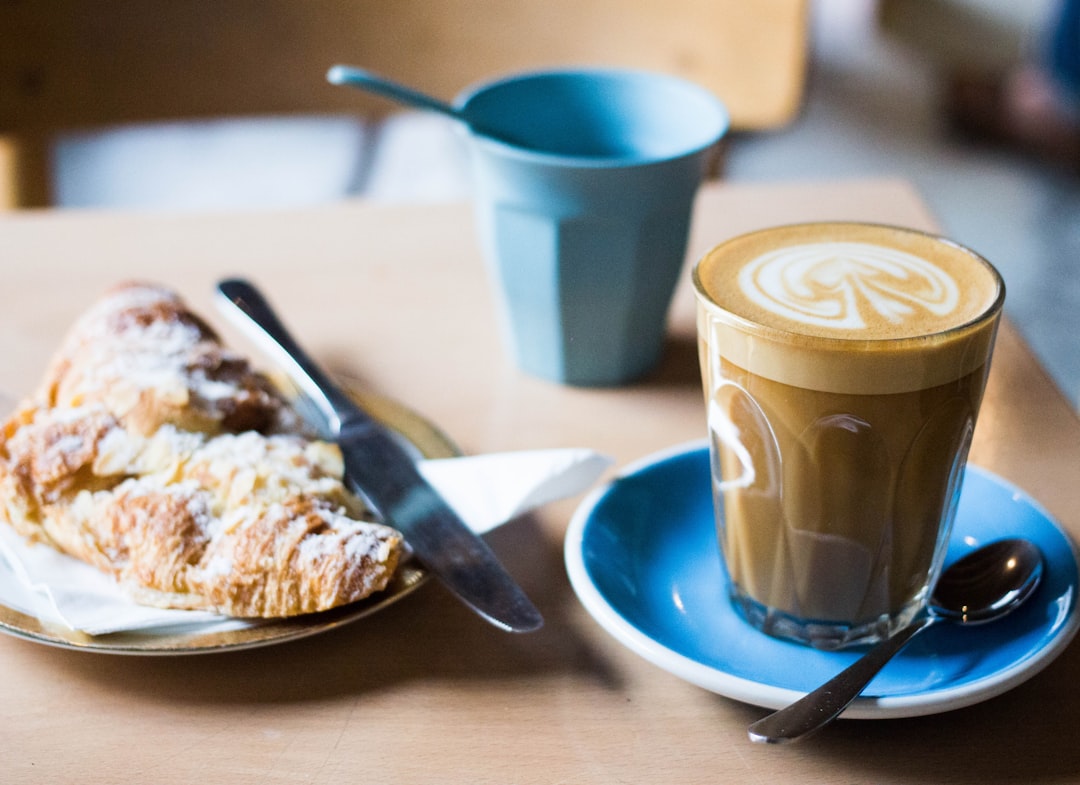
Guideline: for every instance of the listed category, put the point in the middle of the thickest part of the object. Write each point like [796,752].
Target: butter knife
[382,471]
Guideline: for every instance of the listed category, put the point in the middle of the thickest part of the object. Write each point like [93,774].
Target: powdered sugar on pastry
[149,360]
[165,460]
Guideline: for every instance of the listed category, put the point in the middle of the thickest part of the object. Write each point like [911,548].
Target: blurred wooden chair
[77,64]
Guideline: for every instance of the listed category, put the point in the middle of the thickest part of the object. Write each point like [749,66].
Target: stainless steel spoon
[351,76]
[982,586]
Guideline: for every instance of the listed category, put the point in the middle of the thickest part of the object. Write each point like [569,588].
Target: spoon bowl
[987,583]
[982,586]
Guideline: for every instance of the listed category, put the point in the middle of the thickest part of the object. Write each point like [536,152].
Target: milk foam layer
[848,307]
[849,287]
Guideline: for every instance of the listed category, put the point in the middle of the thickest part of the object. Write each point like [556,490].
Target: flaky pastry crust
[164,459]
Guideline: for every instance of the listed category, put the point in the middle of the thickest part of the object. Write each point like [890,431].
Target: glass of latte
[843,367]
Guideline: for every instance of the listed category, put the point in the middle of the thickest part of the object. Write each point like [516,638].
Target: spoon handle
[817,709]
[375,83]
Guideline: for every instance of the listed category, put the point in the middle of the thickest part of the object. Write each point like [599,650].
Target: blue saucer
[643,559]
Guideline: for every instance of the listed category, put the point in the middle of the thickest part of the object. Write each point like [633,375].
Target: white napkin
[485,490]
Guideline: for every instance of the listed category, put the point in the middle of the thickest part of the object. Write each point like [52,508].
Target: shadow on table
[960,746]
[679,365]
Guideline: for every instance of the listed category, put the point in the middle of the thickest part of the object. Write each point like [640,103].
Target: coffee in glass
[843,367]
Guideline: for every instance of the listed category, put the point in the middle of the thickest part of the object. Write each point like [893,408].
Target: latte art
[848,285]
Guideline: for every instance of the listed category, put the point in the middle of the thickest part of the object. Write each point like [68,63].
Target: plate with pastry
[165,463]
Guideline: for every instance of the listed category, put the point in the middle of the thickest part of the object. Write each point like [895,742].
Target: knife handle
[262,325]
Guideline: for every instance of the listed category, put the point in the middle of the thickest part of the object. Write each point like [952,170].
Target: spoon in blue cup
[350,76]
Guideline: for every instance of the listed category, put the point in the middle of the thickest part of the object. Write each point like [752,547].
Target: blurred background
[221,104]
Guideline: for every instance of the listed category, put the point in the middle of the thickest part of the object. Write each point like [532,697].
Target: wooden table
[426,692]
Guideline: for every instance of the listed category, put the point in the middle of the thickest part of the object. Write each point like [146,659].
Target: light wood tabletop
[396,299]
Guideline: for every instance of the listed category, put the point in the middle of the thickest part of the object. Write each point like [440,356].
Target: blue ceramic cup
[584,217]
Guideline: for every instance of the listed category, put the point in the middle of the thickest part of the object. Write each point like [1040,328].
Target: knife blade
[382,471]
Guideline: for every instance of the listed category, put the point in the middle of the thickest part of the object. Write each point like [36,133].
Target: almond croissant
[157,455]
